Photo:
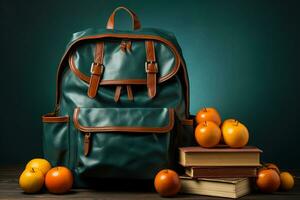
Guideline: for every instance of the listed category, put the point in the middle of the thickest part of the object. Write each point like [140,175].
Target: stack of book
[219,171]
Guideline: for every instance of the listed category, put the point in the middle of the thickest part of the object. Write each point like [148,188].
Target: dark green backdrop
[242,57]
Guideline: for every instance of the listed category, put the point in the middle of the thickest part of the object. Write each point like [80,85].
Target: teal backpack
[122,104]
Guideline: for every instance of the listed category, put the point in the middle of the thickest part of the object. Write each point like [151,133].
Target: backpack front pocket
[56,139]
[124,142]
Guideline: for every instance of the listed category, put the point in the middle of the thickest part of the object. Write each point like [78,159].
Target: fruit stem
[32,169]
[204,109]
[236,122]
[205,123]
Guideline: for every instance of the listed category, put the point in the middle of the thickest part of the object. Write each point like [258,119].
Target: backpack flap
[105,62]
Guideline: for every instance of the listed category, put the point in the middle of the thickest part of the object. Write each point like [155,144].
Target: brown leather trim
[124,128]
[129,92]
[117,93]
[151,68]
[51,118]
[187,122]
[95,79]
[86,145]
[178,60]
[135,21]
[96,70]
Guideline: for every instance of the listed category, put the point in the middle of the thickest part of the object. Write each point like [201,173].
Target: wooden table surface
[9,189]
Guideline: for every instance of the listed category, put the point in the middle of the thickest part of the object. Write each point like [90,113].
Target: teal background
[242,58]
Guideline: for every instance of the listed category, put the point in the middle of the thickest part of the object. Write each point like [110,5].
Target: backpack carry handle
[135,21]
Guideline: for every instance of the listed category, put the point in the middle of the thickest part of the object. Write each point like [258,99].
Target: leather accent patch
[87,141]
[118,93]
[129,92]
[187,122]
[125,129]
[51,118]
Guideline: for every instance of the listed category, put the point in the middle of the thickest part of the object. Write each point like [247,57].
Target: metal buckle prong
[94,70]
[151,62]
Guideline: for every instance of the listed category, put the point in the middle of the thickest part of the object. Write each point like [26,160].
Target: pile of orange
[270,179]
[38,171]
[210,131]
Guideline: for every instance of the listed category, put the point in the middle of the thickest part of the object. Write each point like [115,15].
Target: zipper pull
[86,146]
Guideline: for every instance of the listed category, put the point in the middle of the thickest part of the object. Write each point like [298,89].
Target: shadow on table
[120,185]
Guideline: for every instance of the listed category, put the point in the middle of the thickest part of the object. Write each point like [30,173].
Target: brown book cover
[225,187]
[219,148]
[219,156]
[221,172]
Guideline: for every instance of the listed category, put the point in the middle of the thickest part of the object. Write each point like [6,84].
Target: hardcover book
[219,156]
[221,172]
[225,187]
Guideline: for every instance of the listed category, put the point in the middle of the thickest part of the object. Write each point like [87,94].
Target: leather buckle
[97,68]
[147,63]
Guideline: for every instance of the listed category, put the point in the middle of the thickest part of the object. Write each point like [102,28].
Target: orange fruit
[286,181]
[272,166]
[268,180]
[224,124]
[167,183]
[208,114]
[227,122]
[59,180]
[235,134]
[207,134]
[31,180]
[39,163]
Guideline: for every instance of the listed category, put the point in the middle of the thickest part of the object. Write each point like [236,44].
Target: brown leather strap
[118,93]
[151,68]
[97,68]
[135,21]
[86,145]
[53,118]
[129,93]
